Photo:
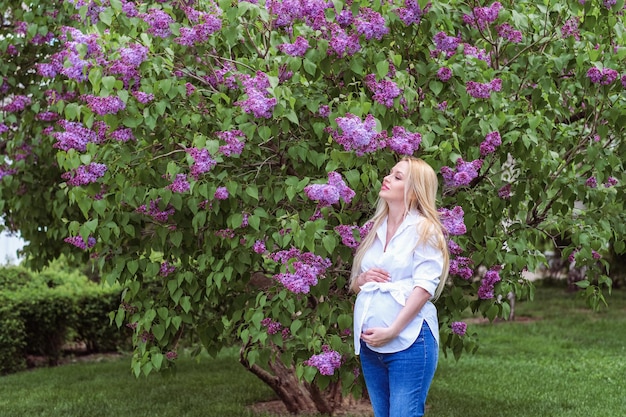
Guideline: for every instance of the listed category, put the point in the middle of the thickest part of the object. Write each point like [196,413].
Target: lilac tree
[220,160]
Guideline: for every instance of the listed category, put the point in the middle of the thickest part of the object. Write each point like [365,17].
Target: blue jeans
[398,382]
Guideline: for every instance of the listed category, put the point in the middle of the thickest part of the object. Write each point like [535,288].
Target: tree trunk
[298,397]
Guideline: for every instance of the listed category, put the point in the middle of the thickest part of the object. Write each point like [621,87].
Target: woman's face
[392,189]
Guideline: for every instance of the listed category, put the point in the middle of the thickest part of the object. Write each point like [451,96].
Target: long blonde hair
[420,193]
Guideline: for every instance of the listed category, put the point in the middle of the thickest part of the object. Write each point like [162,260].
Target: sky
[9,246]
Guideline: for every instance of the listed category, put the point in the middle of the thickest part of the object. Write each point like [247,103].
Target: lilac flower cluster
[47,116]
[610,182]
[259,247]
[330,193]
[143,97]
[474,52]
[452,220]
[346,232]
[3,128]
[17,103]
[403,142]
[505,192]
[459,328]
[507,32]
[257,102]
[207,24]
[490,144]
[233,145]
[384,91]
[570,28]
[288,11]
[221,193]
[370,24]
[166,268]
[104,105]
[411,13]
[180,184]
[171,355]
[446,44]
[203,162]
[298,48]
[323,110]
[80,243]
[303,272]
[624,80]
[444,74]
[483,90]
[357,135]
[153,210]
[604,76]
[591,182]
[488,283]
[342,43]
[159,22]
[460,265]
[326,362]
[123,134]
[481,17]
[85,174]
[75,136]
[273,327]
[5,171]
[463,175]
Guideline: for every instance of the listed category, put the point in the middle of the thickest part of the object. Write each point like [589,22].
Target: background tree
[220,160]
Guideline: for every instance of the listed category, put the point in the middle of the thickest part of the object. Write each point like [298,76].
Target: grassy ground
[559,359]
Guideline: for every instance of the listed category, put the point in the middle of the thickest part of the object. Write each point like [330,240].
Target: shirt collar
[411,219]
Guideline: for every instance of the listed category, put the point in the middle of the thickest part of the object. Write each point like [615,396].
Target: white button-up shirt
[378,304]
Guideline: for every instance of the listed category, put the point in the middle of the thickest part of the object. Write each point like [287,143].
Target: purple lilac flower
[341,43]
[472,51]
[481,17]
[357,135]
[298,48]
[403,142]
[442,106]
[5,171]
[411,13]
[490,144]
[171,355]
[85,174]
[17,103]
[488,283]
[459,328]
[347,232]
[199,33]
[257,102]
[75,136]
[609,3]
[505,192]
[303,269]
[324,110]
[3,128]
[446,44]
[104,105]
[460,266]
[452,220]
[273,327]
[47,116]
[123,134]
[371,24]
[166,269]
[345,18]
[444,74]
[80,243]
[259,247]
[221,193]
[326,362]
[159,22]
[624,80]
[463,175]
[604,76]
[233,145]
[611,181]
[155,212]
[591,182]
[180,184]
[384,91]
[507,32]
[203,162]
[480,90]
[329,194]
[143,97]
[454,248]
[133,55]
[595,255]
[570,28]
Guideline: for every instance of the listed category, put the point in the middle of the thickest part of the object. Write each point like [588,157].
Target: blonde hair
[420,193]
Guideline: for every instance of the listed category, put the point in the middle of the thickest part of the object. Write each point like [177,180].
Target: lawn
[558,359]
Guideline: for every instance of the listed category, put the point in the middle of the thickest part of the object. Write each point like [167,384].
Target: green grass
[559,359]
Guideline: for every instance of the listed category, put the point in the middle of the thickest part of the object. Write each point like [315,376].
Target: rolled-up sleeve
[427,267]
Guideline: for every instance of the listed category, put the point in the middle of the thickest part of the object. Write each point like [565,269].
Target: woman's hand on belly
[373,275]
[378,336]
